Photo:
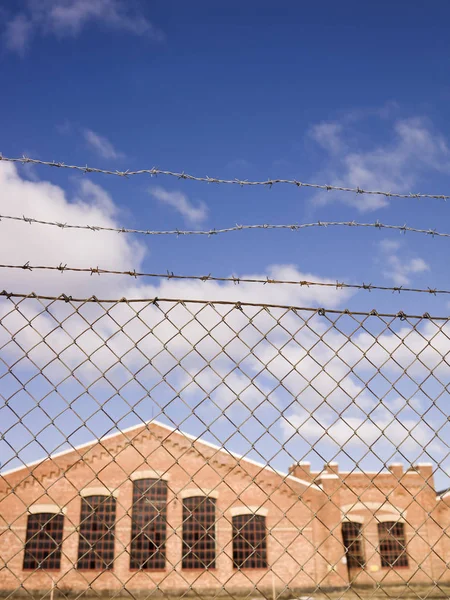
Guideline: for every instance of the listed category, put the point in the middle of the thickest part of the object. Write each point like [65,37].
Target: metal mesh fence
[178,448]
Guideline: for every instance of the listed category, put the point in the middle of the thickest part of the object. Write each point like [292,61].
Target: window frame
[206,538]
[241,543]
[35,539]
[355,559]
[392,542]
[87,547]
[138,529]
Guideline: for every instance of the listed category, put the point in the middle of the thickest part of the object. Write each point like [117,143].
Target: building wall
[304,515]
[392,495]
[293,530]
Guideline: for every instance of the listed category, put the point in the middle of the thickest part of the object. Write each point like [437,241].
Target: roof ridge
[171,429]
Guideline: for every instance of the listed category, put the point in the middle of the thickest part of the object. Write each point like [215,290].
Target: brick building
[154,509]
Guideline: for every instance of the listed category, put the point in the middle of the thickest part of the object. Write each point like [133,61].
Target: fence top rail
[236,304]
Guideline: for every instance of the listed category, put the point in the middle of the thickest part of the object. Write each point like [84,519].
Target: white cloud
[64,18]
[90,204]
[415,149]
[153,354]
[328,136]
[418,265]
[102,146]
[20,243]
[416,351]
[17,35]
[399,269]
[193,215]
[272,294]
[388,245]
[382,434]
[276,362]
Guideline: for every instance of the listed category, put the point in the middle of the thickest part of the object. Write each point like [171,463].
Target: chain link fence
[170,448]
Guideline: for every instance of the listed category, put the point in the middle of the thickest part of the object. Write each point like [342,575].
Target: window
[96,545]
[249,542]
[199,537]
[43,541]
[353,544]
[149,524]
[392,544]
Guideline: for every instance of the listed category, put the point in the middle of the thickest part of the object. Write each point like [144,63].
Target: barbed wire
[154,171]
[338,285]
[236,304]
[211,232]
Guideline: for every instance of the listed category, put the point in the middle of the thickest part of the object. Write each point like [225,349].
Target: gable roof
[238,457]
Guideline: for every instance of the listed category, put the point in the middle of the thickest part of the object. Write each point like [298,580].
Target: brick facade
[303,513]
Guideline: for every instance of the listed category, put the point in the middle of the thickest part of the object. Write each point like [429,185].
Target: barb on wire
[338,285]
[154,171]
[235,303]
[211,232]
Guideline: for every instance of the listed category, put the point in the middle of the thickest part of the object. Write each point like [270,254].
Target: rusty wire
[337,285]
[237,304]
[154,171]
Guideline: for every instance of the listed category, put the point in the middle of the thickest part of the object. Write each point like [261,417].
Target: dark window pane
[43,541]
[149,524]
[352,539]
[199,537]
[96,544]
[392,544]
[249,542]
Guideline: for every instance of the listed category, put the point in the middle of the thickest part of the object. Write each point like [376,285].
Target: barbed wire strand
[211,232]
[154,171]
[236,304]
[338,285]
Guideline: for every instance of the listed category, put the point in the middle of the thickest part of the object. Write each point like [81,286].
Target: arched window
[43,541]
[149,524]
[392,546]
[199,537]
[249,542]
[96,543]
[353,544]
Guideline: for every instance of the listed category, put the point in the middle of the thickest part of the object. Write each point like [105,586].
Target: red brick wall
[303,519]
[369,498]
[290,505]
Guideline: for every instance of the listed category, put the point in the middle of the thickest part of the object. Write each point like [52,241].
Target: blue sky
[351,94]
[235,94]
